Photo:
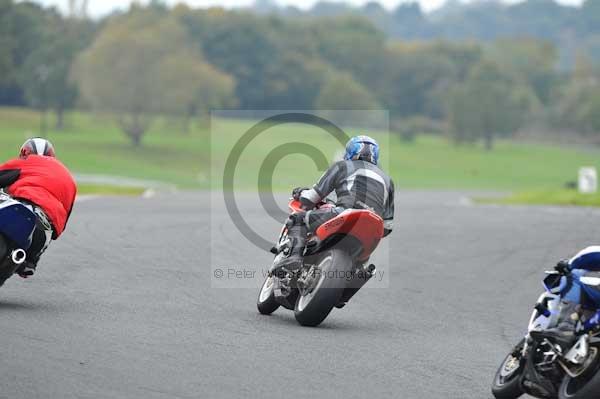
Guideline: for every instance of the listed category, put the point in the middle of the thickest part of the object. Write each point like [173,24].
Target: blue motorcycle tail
[17,223]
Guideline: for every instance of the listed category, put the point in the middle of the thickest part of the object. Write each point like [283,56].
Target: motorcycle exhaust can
[360,279]
[18,256]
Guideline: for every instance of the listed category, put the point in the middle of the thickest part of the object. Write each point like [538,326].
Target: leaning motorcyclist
[358,184]
[43,184]
[569,309]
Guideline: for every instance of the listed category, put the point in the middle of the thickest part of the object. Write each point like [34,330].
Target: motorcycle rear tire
[334,267]
[569,388]
[7,267]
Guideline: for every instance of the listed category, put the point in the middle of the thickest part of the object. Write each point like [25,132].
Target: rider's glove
[563,267]
[297,192]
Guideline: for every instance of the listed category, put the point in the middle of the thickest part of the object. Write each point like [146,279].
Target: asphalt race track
[122,306]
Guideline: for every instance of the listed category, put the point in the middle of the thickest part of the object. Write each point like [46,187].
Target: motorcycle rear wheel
[586,386]
[7,268]
[332,271]
[507,381]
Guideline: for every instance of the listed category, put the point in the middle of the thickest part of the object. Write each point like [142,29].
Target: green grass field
[95,145]
[102,189]
[431,162]
[546,197]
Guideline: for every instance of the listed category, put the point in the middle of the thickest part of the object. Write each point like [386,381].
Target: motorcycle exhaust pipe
[357,283]
[18,256]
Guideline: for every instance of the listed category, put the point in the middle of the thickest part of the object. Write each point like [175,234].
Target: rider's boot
[39,244]
[291,257]
[564,332]
[27,269]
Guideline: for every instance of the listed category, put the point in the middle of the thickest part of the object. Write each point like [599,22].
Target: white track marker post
[588,180]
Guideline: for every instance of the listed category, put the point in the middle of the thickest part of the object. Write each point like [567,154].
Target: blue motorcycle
[17,223]
[542,364]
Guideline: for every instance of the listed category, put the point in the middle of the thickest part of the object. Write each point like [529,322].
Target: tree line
[570,29]
[181,62]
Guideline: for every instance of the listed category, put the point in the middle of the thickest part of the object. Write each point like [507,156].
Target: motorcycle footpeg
[311,243]
[371,269]
[360,279]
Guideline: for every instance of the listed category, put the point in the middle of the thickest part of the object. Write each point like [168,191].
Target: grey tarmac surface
[122,306]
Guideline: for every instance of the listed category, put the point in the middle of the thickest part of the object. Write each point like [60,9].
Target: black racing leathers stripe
[360,185]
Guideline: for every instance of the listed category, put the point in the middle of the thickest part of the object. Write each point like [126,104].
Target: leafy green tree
[589,18]
[409,128]
[417,74]
[141,65]
[238,43]
[342,92]
[591,47]
[579,101]
[192,86]
[408,21]
[350,44]
[7,43]
[294,81]
[46,71]
[21,32]
[533,61]
[488,104]
[588,114]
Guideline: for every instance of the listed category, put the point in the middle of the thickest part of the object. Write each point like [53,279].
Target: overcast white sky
[100,7]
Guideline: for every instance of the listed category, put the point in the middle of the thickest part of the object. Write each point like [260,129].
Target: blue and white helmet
[364,148]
